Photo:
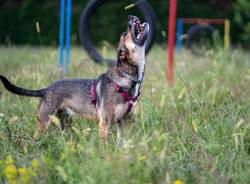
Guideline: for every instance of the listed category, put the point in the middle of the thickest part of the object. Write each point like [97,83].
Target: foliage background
[18,19]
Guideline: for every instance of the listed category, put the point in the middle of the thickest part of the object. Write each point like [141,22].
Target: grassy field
[196,132]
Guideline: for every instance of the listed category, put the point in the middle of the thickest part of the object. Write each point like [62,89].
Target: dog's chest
[120,110]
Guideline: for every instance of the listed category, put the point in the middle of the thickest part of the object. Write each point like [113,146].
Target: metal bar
[179,33]
[171,41]
[202,21]
[227,34]
[61,37]
[68,29]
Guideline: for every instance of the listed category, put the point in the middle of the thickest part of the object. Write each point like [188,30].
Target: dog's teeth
[138,36]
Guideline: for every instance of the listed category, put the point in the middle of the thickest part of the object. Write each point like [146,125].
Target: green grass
[197,132]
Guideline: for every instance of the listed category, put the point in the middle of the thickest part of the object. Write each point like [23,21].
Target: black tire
[89,11]
[195,34]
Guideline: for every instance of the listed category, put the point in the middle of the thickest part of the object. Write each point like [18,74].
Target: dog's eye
[124,33]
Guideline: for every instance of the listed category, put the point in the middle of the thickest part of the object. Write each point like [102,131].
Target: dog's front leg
[122,126]
[103,130]
[120,132]
[104,125]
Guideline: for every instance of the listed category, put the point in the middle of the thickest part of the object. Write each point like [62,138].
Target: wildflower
[178,182]
[22,171]
[76,130]
[8,160]
[86,131]
[70,146]
[55,120]
[142,157]
[35,164]
[10,172]
[24,174]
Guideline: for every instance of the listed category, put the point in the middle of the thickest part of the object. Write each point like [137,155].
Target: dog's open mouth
[139,31]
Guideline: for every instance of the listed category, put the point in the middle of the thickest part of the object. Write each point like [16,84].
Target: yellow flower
[142,157]
[54,119]
[24,175]
[10,172]
[22,171]
[8,160]
[70,147]
[178,182]
[86,131]
[35,164]
[32,172]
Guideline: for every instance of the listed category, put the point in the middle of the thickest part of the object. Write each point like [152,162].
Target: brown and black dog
[108,99]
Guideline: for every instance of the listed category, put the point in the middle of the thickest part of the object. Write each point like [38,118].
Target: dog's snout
[130,20]
[133,18]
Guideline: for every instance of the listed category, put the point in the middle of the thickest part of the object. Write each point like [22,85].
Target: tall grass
[196,132]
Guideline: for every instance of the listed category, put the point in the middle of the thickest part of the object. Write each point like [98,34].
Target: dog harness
[92,93]
[124,94]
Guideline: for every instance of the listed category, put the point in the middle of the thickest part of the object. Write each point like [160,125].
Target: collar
[132,78]
[125,94]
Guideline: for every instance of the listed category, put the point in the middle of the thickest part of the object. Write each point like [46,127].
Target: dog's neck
[126,67]
[116,74]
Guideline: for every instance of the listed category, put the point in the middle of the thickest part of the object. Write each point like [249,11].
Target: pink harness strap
[130,99]
[92,93]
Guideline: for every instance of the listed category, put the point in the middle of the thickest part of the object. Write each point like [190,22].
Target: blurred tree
[242,19]
[18,19]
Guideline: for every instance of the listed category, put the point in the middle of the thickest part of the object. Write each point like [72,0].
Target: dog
[108,99]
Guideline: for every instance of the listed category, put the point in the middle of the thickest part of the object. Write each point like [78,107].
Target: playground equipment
[149,17]
[200,25]
[87,13]
[90,10]
[64,65]
[204,24]
[171,39]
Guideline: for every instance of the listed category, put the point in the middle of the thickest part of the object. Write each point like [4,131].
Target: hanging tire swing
[91,8]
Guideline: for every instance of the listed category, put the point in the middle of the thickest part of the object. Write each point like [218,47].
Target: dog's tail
[20,91]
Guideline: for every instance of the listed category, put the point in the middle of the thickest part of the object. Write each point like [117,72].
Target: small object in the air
[129,6]
[37,27]
[132,5]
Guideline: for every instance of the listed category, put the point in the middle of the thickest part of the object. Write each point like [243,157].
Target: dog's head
[131,48]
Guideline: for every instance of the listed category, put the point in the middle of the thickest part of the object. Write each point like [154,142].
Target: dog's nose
[133,18]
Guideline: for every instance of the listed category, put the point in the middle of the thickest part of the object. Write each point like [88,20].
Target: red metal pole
[202,20]
[171,40]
